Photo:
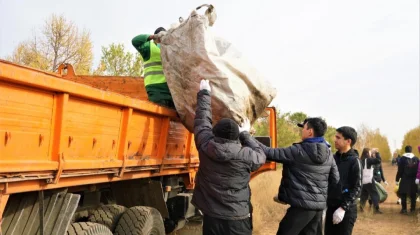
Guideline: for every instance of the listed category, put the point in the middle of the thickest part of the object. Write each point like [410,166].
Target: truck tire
[87,228]
[108,215]
[140,220]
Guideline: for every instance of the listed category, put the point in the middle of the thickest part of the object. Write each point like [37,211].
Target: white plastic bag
[367,174]
[191,53]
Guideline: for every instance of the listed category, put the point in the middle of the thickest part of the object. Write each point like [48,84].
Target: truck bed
[55,130]
[62,130]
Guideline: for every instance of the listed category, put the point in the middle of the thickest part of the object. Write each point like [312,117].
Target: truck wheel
[87,228]
[108,215]
[140,220]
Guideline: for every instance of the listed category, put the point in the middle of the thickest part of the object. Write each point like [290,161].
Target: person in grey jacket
[228,155]
[308,169]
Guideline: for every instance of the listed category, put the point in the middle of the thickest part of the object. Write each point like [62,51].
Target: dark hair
[408,149]
[318,125]
[348,133]
[365,153]
[160,29]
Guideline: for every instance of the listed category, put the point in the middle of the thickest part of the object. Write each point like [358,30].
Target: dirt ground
[267,213]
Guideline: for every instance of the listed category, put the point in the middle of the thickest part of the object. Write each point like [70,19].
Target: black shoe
[404,212]
[378,212]
[413,211]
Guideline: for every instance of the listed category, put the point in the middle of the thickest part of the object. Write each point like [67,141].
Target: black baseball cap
[301,125]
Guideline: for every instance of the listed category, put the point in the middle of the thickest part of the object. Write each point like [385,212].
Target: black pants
[413,198]
[299,221]
[369,190]
[343,228]
[214,226]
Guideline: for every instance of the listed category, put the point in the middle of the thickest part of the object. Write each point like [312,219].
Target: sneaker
[404,212]
[413,211]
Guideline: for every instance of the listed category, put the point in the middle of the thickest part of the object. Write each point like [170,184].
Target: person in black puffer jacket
[308,167]
[228,154]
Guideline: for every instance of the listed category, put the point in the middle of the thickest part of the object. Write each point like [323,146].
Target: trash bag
[383,194]
[191,53]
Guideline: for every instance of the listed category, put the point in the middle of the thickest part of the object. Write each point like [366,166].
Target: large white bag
[190,53]
[367,174]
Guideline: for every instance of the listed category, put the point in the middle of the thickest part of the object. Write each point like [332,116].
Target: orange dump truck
[83,154]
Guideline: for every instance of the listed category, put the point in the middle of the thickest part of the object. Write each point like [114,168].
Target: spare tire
[140,220]
[87,228]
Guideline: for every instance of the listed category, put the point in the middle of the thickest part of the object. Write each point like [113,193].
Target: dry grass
[267,213]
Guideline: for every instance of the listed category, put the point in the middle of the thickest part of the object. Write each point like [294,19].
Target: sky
[350,62]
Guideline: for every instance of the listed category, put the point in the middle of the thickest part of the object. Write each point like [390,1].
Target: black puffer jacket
[222,181]
[346,192]
[308,168]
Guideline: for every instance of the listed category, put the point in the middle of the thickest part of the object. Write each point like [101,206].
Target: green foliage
[297,117]
[330,136]
[115,61]
[287,131]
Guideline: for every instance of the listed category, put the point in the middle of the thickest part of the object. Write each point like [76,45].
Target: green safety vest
[153,70]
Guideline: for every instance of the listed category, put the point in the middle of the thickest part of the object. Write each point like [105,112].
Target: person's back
[406,179]
[306,174]
[378,172]
[223,178]
[308,168]
[227,155]
[368,161]
[154,79]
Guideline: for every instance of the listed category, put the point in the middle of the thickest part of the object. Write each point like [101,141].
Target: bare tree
[60,42]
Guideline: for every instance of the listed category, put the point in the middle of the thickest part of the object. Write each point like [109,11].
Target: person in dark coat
[342,210]
[398,159]
[308,168]
[378,172]
[228,155]
[369,161]
[407,171]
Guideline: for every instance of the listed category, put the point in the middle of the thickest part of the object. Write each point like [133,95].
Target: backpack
[411,167]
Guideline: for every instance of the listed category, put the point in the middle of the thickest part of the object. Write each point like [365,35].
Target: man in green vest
[154,80]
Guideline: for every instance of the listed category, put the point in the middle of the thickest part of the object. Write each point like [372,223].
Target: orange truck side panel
[58,133]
